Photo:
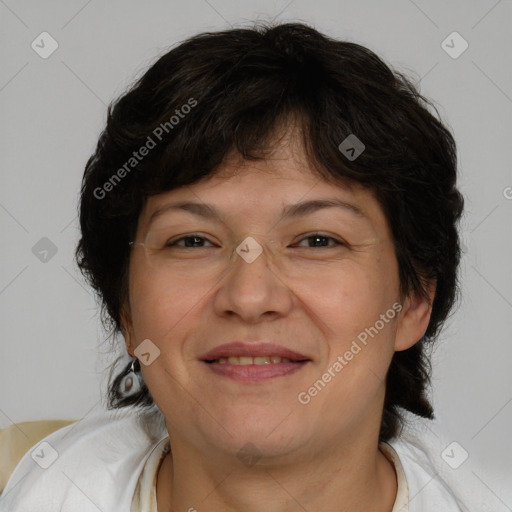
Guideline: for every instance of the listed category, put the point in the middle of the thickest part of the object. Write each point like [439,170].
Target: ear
[414,318]
[127,328]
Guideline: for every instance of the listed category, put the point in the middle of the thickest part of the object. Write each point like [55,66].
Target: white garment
[109,461]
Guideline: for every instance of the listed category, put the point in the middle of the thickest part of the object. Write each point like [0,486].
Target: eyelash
[313,235]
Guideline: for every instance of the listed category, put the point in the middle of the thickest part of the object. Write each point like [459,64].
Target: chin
[264,435]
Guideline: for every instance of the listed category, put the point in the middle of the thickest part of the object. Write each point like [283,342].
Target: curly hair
[219,92]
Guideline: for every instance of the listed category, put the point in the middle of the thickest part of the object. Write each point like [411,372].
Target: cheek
[351,299]
[359,322]
[160,304]
[163,311]
[155,300]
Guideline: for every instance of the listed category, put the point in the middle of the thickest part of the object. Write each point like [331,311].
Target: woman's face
[325,286]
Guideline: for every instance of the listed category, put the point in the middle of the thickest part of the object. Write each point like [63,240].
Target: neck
[351,478]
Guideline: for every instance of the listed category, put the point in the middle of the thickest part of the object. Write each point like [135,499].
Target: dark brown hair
[227,91]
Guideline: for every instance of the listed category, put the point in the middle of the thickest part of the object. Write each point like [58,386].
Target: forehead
[284,164]
[253,185]
[252,190]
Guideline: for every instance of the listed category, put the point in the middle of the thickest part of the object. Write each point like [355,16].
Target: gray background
[53,355]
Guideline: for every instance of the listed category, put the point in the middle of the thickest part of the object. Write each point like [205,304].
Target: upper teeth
[244,360]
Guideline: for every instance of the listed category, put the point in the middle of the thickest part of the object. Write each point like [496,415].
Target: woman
[270,220]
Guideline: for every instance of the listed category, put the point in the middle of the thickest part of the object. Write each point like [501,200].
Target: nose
[251,288]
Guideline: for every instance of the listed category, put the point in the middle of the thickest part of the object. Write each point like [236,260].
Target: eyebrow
[289,212]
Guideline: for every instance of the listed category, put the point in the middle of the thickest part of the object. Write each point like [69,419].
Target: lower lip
[255,372]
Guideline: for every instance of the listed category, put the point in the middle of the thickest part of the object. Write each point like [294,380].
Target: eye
[190,241]
[198,241]
[318,239]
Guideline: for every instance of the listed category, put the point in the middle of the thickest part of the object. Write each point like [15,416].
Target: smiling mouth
[247,360]
[254,370]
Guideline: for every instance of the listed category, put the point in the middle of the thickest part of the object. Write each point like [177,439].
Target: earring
[130,384]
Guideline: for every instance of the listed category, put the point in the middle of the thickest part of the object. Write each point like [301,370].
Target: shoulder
[91,464]
[439,471]
[18,438]
[426,488]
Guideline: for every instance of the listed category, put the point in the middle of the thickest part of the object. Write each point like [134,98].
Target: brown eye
[320,240]
[190,241]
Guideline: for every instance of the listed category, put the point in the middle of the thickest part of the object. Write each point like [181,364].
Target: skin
[315,300]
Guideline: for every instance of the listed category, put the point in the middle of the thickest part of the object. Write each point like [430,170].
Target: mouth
[247,360]
[252,363]
[249,372]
